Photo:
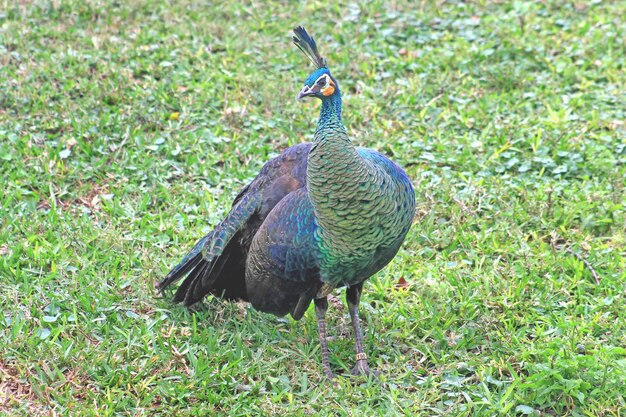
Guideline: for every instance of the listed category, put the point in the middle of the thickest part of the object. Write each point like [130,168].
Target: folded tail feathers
[189,261]
[206,260]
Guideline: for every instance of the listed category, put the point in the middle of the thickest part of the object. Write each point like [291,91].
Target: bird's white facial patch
[327,85]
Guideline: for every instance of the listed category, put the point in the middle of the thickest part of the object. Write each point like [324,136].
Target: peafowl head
[320,83]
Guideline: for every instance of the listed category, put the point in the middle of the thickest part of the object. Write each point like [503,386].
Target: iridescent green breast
[364,206]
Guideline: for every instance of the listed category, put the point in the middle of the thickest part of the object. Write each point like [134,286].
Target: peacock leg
[321,305]
[353,296]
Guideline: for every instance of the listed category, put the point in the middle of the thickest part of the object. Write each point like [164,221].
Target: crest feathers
[307,45]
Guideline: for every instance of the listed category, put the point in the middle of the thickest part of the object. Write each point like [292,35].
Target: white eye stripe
[324,78]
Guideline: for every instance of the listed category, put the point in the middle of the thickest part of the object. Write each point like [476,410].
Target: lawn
[127,128]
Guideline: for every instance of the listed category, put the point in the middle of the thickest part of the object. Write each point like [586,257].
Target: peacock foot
[362,368]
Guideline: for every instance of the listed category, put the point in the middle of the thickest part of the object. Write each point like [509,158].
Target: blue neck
[331,110]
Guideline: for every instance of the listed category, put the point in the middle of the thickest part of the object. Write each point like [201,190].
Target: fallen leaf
[336,302]
[401,284]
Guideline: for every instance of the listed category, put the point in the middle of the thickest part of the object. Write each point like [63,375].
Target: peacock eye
[321,81]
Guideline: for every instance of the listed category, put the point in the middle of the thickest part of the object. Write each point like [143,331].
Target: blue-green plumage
[319,216]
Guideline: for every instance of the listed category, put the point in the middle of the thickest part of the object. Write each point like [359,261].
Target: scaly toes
[362,368]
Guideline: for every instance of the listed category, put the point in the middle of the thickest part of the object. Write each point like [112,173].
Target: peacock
[319,216]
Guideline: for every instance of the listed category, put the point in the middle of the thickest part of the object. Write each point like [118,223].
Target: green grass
[126,128]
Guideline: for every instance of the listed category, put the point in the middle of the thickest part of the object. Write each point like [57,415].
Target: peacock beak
[308,91]
[304,92]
